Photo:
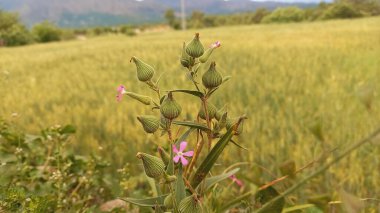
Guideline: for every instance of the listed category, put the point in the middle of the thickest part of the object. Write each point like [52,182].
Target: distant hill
[87,13]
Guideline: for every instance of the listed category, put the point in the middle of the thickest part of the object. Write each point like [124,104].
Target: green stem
[320,170]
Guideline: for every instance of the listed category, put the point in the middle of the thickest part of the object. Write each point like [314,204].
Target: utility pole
[183,15]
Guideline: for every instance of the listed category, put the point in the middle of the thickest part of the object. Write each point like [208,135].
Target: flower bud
[149,123]
[164,123]
[208,52]
[211,110]
[170,109]
[186,60]
[230,122]
[195,48]
[164,155]
[168,202]
[142,98]
[190,204]
[144,71]
[154,167]
[212,78]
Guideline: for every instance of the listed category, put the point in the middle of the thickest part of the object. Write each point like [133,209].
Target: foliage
[40,174]
[284,15]
[12,31]
[46,32]
[340,11]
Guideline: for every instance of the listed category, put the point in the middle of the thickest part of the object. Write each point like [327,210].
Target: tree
[171,19]
[286,14]
[196,19]
[12,31]
[46,32]
[340,10]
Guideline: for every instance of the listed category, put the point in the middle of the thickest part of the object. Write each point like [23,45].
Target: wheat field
[289,79]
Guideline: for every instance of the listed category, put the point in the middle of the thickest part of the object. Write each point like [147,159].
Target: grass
[290,79]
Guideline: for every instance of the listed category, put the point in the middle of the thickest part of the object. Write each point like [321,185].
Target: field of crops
[306,88]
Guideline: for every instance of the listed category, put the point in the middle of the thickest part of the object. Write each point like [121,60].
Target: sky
[307,1]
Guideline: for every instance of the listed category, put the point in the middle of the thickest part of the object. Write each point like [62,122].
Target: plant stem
[320,170]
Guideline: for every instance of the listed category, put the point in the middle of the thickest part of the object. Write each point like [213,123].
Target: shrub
[46,32]
[12,31]
[284,15]
[340,11]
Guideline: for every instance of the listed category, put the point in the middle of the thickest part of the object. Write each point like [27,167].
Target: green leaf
[209,182]
[238,145]
[180,190]
[210,159]
[191,92]
[226,78]
[68,129]
[146,202]
[235,201]
[184,136]
[298,207]
[191,124]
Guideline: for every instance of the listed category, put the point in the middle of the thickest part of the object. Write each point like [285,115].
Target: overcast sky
[308,1]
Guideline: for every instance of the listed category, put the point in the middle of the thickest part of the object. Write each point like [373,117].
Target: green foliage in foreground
[307,88]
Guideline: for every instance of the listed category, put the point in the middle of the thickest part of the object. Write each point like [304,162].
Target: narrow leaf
[209,182]
[147,202]
[210,159]
[191,92]
[191,124]
[184,136]
[180,190]
[298,207]
[238,145]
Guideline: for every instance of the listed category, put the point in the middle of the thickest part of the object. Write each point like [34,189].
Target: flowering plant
[183,180]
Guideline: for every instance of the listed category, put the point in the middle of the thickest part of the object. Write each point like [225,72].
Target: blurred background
[306,73]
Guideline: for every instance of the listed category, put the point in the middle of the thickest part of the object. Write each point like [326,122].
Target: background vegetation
[307,88]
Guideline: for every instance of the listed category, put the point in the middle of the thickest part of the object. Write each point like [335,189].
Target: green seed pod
[186,60]
[230,122]
[211,111]
[222,121]
[195,48]
[149,123]
[142,98]
[190,204]
[154,167]
[164,155]
[168,202]
[170,109]
[212,78]
[219,113]
[144,71]
[169,178]
[208,52]
[164,123]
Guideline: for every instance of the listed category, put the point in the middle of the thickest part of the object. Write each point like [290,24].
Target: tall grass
[289,79]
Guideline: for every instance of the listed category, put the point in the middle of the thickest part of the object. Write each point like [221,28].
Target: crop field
[307,89]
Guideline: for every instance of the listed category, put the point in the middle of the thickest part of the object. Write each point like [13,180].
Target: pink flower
[216,44]
[237,181]
[180,154]
[120,92]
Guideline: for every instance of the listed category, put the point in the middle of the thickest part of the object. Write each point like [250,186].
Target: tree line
[340,9]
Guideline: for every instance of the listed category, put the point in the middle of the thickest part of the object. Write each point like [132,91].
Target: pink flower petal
[239,183]
[216,44]
[188,154]
[182,146]
[184,161]
[176,158]
[175,150]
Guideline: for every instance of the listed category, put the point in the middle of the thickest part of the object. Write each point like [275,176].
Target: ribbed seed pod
[164,155]
[149,123]
[168,202]
[142,98]
[230,122]
[211,110]
[164,123]
[212,78]
[195,48]
[219,113]
[222,121]
[186,60]
[190,205]
[154,167]
[170,109]
[144,71]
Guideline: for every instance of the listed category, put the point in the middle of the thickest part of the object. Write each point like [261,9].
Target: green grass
[287,78]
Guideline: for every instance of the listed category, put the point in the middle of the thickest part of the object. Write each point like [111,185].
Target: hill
[85,13]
